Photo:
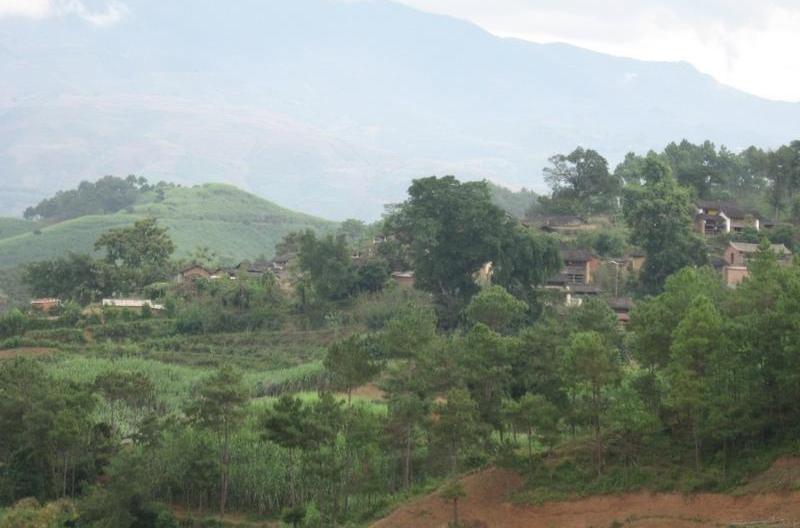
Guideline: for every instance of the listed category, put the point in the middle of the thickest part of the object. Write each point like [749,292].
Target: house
[579,267]
[404,278]
[192,273]
[576,294]
[621,306]
[635,261]
[136,304]
[45,305]
[713,217]
[737,256]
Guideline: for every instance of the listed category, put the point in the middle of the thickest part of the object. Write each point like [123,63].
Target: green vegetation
[11,227]
[232,223]
[318,392]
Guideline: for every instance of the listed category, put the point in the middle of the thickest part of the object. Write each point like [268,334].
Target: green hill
[10,227]
[234,224]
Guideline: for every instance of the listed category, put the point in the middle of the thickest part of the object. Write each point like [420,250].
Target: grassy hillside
[234,224]
[10,227]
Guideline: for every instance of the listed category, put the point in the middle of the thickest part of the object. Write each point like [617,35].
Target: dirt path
[26,352]
[487,494]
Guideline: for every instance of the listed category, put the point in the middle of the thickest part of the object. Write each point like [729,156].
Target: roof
[620,303]
[403,274]
[559,221]
[283,259]
[583,289]
[744,247]
[191,267]
[576,255]
[730,209]
[49,300]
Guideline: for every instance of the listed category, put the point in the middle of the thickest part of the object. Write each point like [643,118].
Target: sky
[753,45]
[749,44]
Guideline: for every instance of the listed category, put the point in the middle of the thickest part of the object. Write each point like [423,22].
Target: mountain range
[330,106]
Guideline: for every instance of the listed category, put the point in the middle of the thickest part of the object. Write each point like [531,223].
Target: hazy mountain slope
[332,107]
[10,227]
[232,223]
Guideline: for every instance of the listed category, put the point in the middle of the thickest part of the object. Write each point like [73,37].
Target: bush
[13,323]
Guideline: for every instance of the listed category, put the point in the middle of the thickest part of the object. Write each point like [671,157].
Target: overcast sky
[753,45]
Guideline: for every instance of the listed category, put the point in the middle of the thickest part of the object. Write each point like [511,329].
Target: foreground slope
[488,500]
[230,222]
[332,107]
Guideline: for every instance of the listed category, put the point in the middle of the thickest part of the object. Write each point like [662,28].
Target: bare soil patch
[369,392]
[33,352]
[487,501]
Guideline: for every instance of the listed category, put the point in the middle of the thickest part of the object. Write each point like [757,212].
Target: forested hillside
[228,222]
[322,390]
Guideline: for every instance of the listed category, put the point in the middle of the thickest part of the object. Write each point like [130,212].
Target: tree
[219,406]
[534,415]
[581,183]
[71,277]
[351,363]
[328,265]
[653,321]
[409,333]
[139,254]
[591,366]
[354,230]
[497,309]
[697,337]
[287,425]
[453,492]
[452,230]
[659,214]
[697,167]
[456,424]
[525,261]
[133,389]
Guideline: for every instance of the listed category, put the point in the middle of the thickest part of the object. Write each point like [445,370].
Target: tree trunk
[455,513]
[530,444]
[696,446]
[223,474]
[407,456]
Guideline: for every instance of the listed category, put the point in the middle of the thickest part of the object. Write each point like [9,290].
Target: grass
[11,227]
[173,383]
[229,221]
[570,474]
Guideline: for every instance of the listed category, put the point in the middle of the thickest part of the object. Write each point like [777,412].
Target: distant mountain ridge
[332,107]
[231,223]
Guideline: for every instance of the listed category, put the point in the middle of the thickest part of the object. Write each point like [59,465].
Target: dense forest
[318,389]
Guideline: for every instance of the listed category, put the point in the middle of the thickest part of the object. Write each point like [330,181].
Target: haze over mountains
[331,107]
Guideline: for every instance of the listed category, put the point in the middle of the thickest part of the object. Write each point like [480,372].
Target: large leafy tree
[139,254]
[452,230]
[659,214]
[71,277]
[582,183]
[327,265]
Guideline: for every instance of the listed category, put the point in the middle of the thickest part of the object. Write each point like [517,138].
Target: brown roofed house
[192,273]
[714,217]
[737,257]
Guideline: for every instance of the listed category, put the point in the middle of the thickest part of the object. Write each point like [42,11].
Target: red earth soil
[488,492]
[26,352]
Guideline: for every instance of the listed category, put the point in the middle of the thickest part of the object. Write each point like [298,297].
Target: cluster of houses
[277,266]
[576,282]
